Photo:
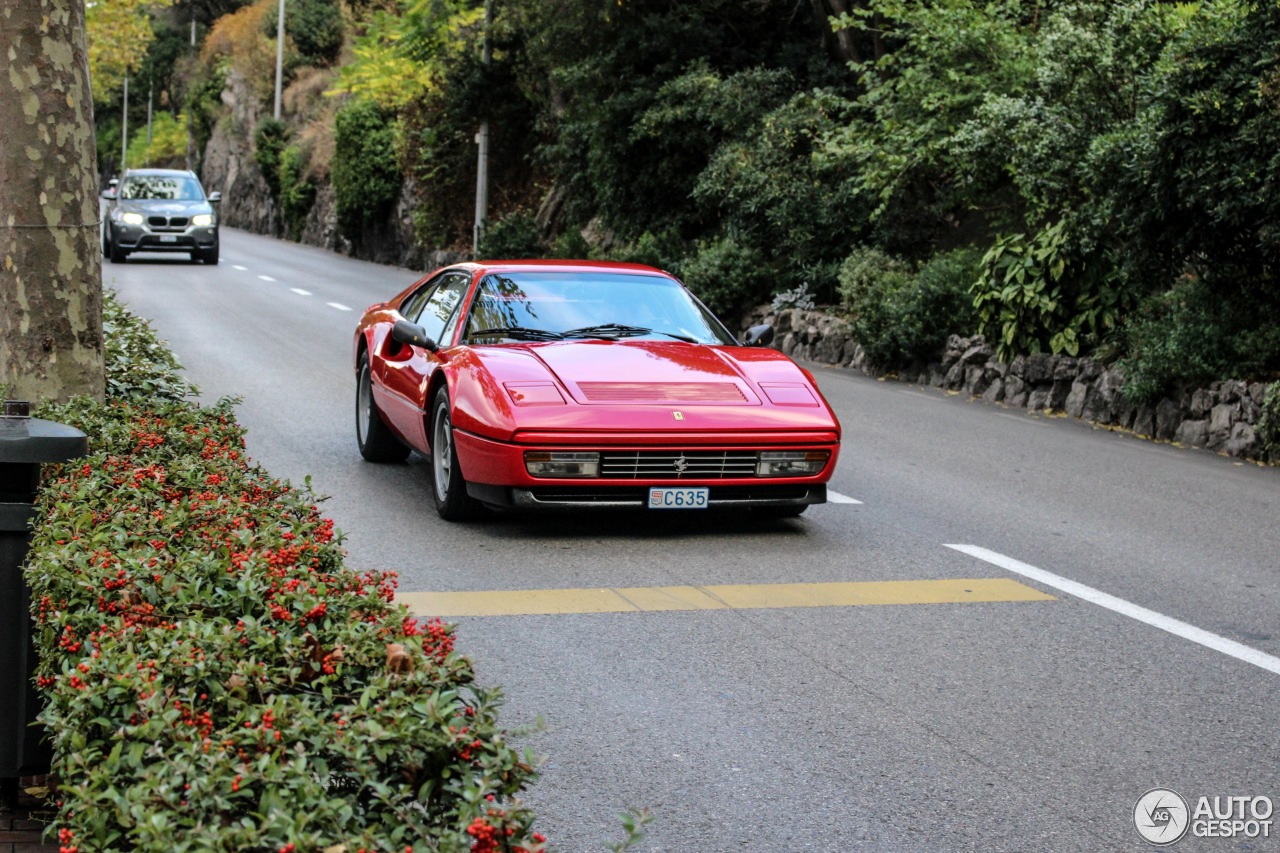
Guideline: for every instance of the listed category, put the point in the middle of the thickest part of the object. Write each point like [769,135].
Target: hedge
[218,679]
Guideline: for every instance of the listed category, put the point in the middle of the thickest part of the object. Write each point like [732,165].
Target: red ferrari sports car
[568,384]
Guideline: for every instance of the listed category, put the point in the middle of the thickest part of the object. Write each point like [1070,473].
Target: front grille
[165,223]
[677,465]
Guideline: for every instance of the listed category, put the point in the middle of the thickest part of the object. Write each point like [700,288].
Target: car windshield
[603,305]
[167,187]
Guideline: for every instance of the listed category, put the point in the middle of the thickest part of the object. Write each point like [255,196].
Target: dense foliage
[217,679]
[366,180]
[1121,152]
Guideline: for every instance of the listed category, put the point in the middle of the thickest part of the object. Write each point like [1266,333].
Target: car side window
[442,304]
[412,307]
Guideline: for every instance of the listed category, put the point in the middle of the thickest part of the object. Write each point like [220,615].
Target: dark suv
[160,210]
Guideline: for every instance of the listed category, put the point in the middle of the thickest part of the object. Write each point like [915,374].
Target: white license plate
[168,238]
[686,498]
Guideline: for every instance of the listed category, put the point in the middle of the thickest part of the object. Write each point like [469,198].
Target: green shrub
[571,244]
[269,141]
[727,275]
[297,194]
[1019,296]
[1269,423]
[364,174]
[139,367]
[1191,334]
[515,235]
[663,250]
[866,276]
[899,316]
[217,679]
[317,29]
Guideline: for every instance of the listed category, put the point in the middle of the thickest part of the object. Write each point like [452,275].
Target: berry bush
[218,679]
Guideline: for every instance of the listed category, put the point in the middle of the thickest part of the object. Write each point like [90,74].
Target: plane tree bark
[51,345]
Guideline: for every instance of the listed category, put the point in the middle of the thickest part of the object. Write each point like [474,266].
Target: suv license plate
[168,238]
[679,498]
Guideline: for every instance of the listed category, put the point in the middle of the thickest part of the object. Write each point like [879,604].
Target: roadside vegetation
[216,677]
[1075,176]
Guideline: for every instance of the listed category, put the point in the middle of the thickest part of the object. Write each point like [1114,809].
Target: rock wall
[1222,417]
[229,167]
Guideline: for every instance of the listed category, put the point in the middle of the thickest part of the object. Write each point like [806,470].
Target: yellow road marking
[726,597]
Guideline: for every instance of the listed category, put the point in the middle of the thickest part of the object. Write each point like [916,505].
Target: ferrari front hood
[621,373]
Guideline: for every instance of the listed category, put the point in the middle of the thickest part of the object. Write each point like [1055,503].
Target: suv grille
[166,223]
[677,465]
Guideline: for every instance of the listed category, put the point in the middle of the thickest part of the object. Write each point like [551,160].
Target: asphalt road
[998,726]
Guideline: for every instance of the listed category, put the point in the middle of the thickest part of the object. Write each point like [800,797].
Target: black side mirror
[758,336]
[215,197]
[411,333]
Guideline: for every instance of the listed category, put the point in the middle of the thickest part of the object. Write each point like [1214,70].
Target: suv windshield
[546,305]
[167,187]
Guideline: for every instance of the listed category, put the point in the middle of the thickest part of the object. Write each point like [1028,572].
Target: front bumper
[580,497]
[140,238]
[496,475]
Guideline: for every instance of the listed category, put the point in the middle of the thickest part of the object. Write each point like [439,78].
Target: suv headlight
[131,218]
[558,464]
[791,463]
[202,219]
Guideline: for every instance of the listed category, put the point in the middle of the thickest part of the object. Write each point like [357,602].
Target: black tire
[115,254]
[448,488]
[208,256]
[376,440]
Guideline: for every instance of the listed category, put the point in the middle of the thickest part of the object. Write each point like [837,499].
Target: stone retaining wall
[1222,417]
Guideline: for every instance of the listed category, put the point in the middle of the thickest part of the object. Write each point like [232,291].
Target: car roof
[176,173]
[558,265]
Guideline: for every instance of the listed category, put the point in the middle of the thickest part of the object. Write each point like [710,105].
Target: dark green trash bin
[25,444]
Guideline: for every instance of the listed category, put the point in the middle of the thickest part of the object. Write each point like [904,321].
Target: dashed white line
[266,278]
[1178,628]
[238,267]
[338,305]
[837,498]
[300,291]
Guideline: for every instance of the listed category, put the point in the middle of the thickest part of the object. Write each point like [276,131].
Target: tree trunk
[50,266]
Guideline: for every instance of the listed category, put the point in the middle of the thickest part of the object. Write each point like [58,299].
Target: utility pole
[279,56]
[191,135]
[124,128]
[482,140]
[151,90]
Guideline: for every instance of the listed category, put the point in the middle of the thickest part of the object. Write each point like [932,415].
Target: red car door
[406,370]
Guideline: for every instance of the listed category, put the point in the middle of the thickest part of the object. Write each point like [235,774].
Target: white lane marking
[1126,608]
[300,291]
[238,267]
[338,305]
[922,394]
[837,498]
[266,278]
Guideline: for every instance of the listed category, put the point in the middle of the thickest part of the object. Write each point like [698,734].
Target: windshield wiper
[519,333]
[613,331]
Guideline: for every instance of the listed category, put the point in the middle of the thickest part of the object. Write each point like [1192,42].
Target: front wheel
[447,486]
[377,442]
[114,253]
